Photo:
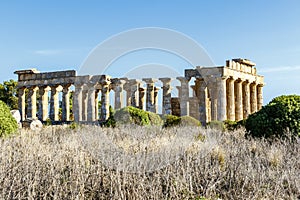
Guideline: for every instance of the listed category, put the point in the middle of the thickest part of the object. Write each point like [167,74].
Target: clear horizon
[59,35]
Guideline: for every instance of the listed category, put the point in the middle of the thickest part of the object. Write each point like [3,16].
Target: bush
[132,115]
[110,122]
[189,121]
[8,124]
[274,119]
[216,125]
[172,120]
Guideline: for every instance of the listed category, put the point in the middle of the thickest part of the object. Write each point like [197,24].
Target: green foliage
[216,125]
[189,121]
[8,93]
[110,122]
[230,125]
[74,126]
[8,124]
[172,120]
[132,115]
[48,122]
[274,119]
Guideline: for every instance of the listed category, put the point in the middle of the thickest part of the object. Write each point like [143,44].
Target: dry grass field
[146,163]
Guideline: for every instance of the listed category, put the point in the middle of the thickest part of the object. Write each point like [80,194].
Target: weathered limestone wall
[229,92]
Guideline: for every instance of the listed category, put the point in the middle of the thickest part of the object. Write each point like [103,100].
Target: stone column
[246,99]
[66,103]
[202,101]
[221,102]
[85,92]
[91,107]
[134,91]
[43,103]
[230,100]
[21,102]
[259,96]
[253,97]
[184,98]
[239,100]
[105,103]
[150,94]
[155,104]
[119,94]
[31,110]
[127,88]
[213,100]
[96,104]
[105,82]
[141,98]
[77,103]
[167,107]
[54,104]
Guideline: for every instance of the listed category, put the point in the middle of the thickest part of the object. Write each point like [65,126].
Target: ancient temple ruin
[229,92]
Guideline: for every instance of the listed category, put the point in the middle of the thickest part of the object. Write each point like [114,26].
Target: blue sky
[58,35]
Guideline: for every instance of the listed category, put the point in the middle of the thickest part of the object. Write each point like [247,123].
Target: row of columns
[86,97]
[43,102]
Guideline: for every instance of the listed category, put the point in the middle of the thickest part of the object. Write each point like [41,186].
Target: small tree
[274,119]
[8,93]
[8,124]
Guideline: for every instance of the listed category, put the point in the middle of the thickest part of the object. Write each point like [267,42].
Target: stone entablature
[229,92]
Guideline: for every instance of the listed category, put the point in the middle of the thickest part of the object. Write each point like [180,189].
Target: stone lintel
[244,61]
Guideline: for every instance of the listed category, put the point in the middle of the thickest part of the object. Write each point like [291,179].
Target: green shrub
[8,124]
[132,115]
[274,119]
[110,122]
[230,125]
[189,121]
[216,125]
[74,126]
[172,120]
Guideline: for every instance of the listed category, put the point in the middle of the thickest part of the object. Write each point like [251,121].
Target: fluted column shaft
[141,98]
[91,109]
[66,103]
[259,96]
[96,104]
[43,103]
[246,99]
[221,104]
[31,110]
[77,103]
[105,102]
[202,94]
[184,98]
[54,104]
[150,94]
[167,107]
[155,104]
[21,103]
[239,101]
[85,92]
[119,94]
[253,96]
[231,100]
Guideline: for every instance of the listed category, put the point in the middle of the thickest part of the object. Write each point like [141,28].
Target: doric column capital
[149,80]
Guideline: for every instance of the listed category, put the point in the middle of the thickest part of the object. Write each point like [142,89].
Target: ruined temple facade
[229,92]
